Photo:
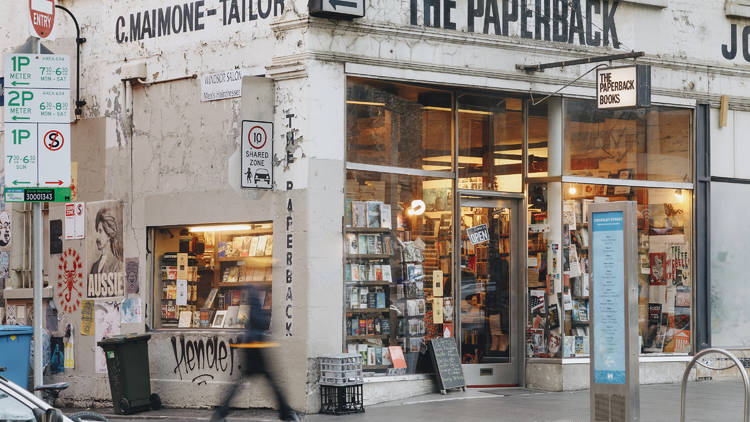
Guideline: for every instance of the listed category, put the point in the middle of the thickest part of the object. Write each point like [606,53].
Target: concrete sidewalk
[706,401]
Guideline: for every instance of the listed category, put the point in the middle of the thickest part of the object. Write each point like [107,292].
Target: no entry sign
[257,154]
[42,16]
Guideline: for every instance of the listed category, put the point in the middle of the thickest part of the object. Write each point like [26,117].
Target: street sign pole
[613,313]
[37,242]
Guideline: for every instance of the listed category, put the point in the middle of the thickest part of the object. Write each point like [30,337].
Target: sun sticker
[70,281]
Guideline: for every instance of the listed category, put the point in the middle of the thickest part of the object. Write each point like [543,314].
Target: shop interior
[208,276]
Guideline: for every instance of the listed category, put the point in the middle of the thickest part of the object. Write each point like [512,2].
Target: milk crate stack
[341,384]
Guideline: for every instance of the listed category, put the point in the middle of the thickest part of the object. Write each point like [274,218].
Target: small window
[209,275]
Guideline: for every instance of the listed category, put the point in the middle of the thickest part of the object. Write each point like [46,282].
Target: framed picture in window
[219,319]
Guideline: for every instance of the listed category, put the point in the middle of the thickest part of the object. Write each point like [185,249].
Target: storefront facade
[423,186]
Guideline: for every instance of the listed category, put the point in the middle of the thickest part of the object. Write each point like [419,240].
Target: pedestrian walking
[254,347]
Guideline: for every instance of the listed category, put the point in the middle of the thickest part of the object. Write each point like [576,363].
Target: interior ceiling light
[224,228]
[369,103]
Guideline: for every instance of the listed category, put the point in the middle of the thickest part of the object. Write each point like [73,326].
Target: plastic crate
[341,400]
[341,369]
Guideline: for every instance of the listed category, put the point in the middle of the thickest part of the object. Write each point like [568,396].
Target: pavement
[711,401]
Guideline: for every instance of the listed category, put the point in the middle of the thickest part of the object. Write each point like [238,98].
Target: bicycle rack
[736,363]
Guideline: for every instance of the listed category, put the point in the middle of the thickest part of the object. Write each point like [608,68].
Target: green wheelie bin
[129,378]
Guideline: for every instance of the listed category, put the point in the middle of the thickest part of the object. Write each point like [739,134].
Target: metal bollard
[737,363]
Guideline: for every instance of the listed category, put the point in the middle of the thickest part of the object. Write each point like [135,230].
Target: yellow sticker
[12,338]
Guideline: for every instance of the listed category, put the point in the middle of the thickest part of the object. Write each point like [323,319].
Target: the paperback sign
[623,87]
[257,154]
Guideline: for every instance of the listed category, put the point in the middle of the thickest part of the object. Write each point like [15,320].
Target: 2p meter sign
[257,154]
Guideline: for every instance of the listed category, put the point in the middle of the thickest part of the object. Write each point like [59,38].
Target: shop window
[399,125]
[490,139]
[665,281]
[397,270]
[207,276]
[648,144]
[538,151]
[558,301]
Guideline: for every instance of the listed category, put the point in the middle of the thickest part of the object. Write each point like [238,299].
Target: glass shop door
[489,291]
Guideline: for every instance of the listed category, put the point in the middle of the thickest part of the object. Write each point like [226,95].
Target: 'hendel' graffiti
[201,357]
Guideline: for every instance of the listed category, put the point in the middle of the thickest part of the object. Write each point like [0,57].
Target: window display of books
[240,246]
[179,296]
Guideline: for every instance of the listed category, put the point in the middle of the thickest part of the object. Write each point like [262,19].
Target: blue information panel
[609,297]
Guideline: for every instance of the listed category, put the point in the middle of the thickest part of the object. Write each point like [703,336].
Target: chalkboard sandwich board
[448,370]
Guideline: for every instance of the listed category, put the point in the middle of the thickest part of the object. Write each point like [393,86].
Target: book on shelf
[231,317]
[186,319]
[581,345]
[221,250]
[205,317]
[372,247]
[260,250]
[362,244]
[243,315]
[359,214]
[269,246]
[580,310]
[385,216]
[380,299]
[553,319]
[373,214]
[250,245]
[386,268]
[363,298]
[362,350]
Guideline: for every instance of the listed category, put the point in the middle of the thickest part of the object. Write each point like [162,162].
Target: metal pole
[37,243]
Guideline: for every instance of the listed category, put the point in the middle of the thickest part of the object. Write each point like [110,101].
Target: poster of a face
[4,229]
[106,277]
[106,324]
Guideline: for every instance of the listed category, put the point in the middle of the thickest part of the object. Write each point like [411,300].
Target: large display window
[204,274]
[652,144]
[399,125]
[490,143]
[559,287]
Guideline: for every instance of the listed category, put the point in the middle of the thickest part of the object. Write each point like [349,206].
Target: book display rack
[222,263]
[395,271]
[558,273]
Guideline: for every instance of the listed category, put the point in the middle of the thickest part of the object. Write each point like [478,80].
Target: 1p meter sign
[257,154]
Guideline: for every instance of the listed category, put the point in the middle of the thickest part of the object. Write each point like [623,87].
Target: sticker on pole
[42,18]
[257,154]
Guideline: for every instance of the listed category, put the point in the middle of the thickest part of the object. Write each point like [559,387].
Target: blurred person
[254,346]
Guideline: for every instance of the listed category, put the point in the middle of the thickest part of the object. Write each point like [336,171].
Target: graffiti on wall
[199,360]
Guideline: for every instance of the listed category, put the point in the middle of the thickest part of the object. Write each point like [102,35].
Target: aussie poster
[106,275]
